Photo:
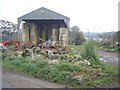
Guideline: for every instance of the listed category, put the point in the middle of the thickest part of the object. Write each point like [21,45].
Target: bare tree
[7,27]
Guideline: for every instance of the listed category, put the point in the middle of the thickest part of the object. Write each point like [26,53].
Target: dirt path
[13,79]
[111,57]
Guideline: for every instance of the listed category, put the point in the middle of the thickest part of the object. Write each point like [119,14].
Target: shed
[44,24]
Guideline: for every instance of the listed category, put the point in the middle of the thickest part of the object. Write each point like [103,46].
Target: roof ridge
[46,9]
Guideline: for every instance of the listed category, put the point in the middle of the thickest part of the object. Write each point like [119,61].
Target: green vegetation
[40,68]
[75,46]
[89,53]
[109,48]
[63,72]
[76,36]
[68,70]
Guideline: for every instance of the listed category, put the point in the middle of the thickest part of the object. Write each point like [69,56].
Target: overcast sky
[92,15]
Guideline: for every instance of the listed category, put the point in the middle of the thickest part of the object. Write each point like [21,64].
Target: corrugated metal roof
[43,14]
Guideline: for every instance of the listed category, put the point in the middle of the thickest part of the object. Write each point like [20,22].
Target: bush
[65,71]
[16,62]
[89,52]
[59,72]
[53,74]
[28,67]
[109,68]
[67,66]
[40,63]
[7,54]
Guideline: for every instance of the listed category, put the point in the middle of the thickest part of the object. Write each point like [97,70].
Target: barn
[44,24]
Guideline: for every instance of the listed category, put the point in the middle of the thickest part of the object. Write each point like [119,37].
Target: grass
[74,46]
[103,80]
[113,69]
[40,69]
[61,73]
[89,53]
[109,48]
[65,70]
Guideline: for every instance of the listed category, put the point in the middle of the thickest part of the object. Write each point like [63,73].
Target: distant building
[46,25]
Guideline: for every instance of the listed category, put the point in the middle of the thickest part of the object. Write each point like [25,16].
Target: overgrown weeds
[89,53]
[66,71]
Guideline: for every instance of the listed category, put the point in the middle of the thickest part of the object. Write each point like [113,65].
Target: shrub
[59,72]
[65,71]
[40,63]
[109,68]
[28,67]
[53,74]
[16,62]
[67,66]
[6,55]
[89,52]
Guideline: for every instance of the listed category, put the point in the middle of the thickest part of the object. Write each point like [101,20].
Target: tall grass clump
[89,52]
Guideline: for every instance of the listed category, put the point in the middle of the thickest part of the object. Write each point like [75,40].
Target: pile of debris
[53,52]
[54,55]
